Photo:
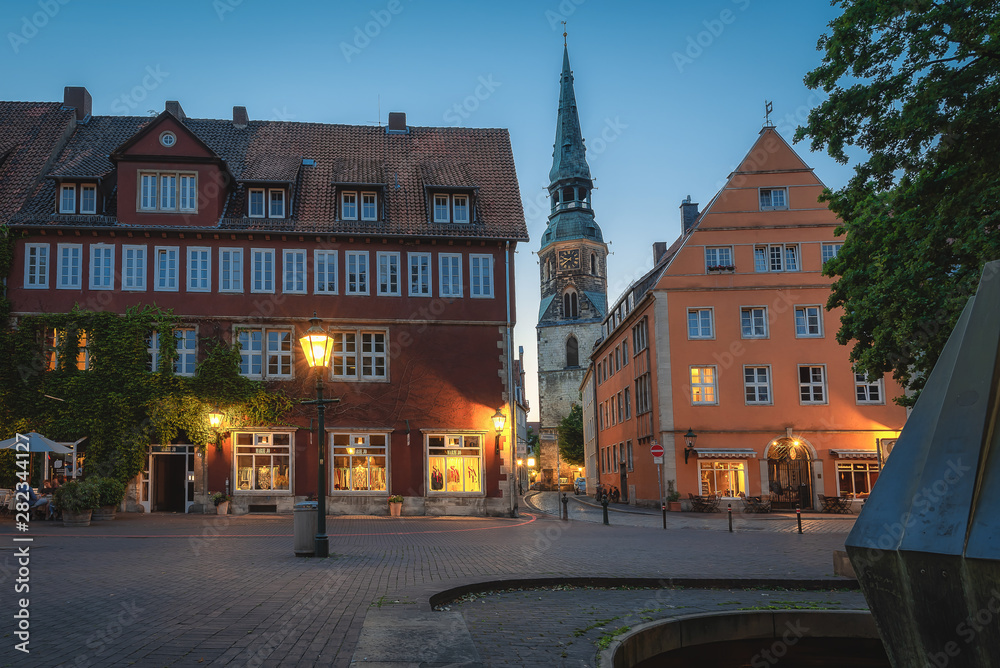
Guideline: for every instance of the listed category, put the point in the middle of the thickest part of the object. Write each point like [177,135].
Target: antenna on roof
[768,107]
[379,98]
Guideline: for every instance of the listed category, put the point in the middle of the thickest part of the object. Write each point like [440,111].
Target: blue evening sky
[671,94]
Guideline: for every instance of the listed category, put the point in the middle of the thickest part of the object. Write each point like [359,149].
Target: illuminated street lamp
[317,346]
[215,418]
[498,421]
[689,439]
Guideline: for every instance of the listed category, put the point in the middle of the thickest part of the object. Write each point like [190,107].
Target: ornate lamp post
[316,346]
[689,439]
[498,421]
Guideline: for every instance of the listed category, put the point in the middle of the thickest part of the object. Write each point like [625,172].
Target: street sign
[657,460]
[656,450]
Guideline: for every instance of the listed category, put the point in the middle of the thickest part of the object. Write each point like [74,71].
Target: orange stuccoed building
[725,354]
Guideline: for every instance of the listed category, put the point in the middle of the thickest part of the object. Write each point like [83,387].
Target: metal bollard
[730,511]
[604,502]
[664,508]
[798,516]
[565,502]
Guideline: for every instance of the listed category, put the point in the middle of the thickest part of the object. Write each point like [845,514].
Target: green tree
[571,436]
[914,85]
[532,444]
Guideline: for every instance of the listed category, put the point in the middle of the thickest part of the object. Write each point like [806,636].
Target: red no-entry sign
[656,450]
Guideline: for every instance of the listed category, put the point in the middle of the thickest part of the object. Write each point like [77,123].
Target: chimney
[240,117]
[659,250]
[689,214]
[174,107]
[397,123]
[78,98]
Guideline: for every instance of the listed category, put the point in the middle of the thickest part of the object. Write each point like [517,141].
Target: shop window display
[359,463]
[454,463]
[263,461]
[722,478]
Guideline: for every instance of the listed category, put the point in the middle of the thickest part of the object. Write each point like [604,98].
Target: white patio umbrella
[35,443]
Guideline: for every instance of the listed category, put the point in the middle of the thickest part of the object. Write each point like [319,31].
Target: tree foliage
[571,436]
[914,84]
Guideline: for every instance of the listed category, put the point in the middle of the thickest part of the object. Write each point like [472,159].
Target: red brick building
[401,239]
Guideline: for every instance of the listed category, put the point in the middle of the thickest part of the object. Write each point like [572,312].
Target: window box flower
[722,269]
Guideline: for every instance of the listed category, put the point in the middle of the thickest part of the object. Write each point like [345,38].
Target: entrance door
[789,476]
[169,477]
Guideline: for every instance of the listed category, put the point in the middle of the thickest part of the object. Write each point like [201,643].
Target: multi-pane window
[168,191]
[369,206]
[642,398]
[88,198]
[359,463]
[753,322]
[133,268]
[199,269]
[251,342]
[812,384]
[188,193]
[256,204]
[450,274]
[614,458]
[265,352]
[442,206]
[166,268]
[481,275]
[776,257]
[374,355]
[829,251]
[293,263]
[454,463]
[718,257]
[773,198]
[279,353]
[262,462]
[722,478]
[262,270]
[147,199]
[857,477]
[757,384]
[868,392]
[67,198]
[628,456]
[68,266]
[700,323]
[276,203]
[620,406]
[344,361]
[230,270]
[158,191]
[102,267]
[625,352]
[703,389]
[374,358]
[326,271]
[420,274]
[36,265]
[357,272]
[349,206]
[461,208]
[388,274]
[808,321]
[55,339]
[628,404]
[187,351]
[639,336]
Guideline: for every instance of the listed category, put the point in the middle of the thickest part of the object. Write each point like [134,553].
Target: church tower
[573,265]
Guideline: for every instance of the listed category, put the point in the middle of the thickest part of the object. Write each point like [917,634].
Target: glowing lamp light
[214,418]
[316,344]
[531,461]
[498,421]
[520,462]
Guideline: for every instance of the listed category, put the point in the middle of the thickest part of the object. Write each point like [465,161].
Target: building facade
[400,239]
[728,339]
[573,274]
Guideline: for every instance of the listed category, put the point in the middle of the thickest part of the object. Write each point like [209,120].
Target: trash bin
[305,528]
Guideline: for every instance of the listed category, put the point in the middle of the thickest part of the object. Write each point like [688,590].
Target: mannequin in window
[437,479]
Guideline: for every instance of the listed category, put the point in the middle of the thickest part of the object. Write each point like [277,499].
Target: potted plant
[110,492]
[674,501]
[395,505]
[221,502]
[76,500]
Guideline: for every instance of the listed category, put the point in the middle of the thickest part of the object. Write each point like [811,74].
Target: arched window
[572,352]
[571,305]
[593,264]
[568,194]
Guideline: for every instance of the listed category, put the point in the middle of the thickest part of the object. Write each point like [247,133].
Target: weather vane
[768,106]
[564,33]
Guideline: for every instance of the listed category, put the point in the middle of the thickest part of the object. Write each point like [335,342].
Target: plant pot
[674,506]
[395,509]
[80,519]
[104,514]
[222,508]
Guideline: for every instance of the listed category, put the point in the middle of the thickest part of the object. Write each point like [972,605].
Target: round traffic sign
[656,450]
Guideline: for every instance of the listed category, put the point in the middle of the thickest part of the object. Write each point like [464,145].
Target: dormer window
[452,208]
[256,206]
[460,205]
[369,206]
[168,192]
[88,198]
[87,202]
[441,209]
[276,198]
[67,198]
[349,206]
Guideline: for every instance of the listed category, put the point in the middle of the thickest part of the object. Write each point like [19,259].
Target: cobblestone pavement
[563,627]
[200,590]
[587,510]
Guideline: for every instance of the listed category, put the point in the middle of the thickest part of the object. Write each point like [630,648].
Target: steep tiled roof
[405,163]
[30,132]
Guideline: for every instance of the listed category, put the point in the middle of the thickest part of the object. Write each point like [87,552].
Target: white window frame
[275,453]
[63,190]
[360,354]
[830,251]
[263,356]
[279,350]
[354,204]
[450,275]
[481,276]
[755,384]
[271,202]
[704,385]
[158,198]
[422,286]
[262,193]
[321,282]
[455,208]
[71,266]
[752,312]
[731,467]
[359,448]
[362,205]
[168,192]
[134,278]
[806,309]
[812,384]
[770,193]
[861,385]
[185,182]
[147,194]
[459,443]
[717,252]
[36,266]
[774,258]
[168,282]
[262,278]
[386,261]
[199,260]
[866,468]
[99,266]
[698,311]
[443,208]
[294,282]
[84,189]
[186,356]
[356,265]
[250,354]
[231,279]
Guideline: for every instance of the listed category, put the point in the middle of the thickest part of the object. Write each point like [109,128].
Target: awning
[855,454]
[730,453]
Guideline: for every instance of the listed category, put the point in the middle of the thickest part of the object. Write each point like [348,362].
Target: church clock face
[569,259]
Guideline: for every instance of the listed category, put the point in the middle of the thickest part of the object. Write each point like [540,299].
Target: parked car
[580,486]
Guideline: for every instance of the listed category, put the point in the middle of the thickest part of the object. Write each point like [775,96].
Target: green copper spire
[569,155]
